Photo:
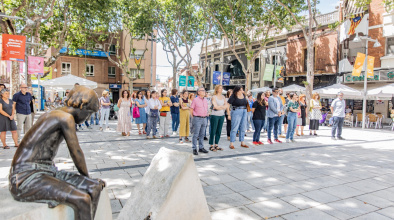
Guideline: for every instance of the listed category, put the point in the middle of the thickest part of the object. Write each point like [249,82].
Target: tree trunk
[310,70]
[29,82]
[247,76]
[174,69]
[15,77]
[131,86]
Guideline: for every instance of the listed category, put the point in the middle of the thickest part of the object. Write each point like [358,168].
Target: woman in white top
[315,114]
[153,114]
[219,105]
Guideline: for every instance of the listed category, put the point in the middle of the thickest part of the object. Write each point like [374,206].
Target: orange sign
[13,47]
[370,64]
[358,65]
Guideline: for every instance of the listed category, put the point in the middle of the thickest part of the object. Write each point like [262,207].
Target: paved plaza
[315,178]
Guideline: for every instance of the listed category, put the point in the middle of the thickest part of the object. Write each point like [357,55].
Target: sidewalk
[315,178]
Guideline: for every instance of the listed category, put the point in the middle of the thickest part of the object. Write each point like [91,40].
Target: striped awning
[352,9]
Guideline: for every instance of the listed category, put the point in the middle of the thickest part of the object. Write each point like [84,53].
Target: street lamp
[29,22]
[358,39]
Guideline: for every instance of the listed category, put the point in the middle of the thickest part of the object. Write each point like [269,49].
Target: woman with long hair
[124,116]
[165,117]
[228,114]
[184,116]
[293,108]
[219,105]
[258,109]
[315,114]
[153,114]
[105,103]
[7,118]
[140,102]
[238,116]
[301,115]
[174,111]
[146,97]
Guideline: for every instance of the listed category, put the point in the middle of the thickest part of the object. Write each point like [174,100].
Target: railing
[323,19]
[237,82]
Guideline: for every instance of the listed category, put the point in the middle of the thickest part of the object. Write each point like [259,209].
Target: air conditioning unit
[98,46]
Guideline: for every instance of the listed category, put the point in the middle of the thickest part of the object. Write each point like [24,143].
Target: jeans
[164,124]
[273,124]
[199,127]
[94,118]
[238,122]
[23,121]
[175,121]
[258,125]
[104,116]
[152,123]
[292,125]
[338,124]
[208,126]
[282,117]
[250,121]
[216,128]
[265,127]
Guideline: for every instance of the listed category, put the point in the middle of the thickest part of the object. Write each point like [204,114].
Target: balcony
[323,19]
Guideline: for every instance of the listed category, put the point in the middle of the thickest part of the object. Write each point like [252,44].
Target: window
[138,54]
[111,72]
[217,67]
[256,65]
[66,68]
[136,74]
[112,49]
[390,46]
[89,70]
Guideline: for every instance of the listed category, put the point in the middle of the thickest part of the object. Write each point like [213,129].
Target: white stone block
[14,210]
[170,189]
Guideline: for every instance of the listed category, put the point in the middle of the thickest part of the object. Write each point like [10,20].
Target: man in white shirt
[338,112]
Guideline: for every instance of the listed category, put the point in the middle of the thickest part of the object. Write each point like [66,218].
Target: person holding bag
[153,114]
[124,117]
[165,117]
[140,103]
[314,114]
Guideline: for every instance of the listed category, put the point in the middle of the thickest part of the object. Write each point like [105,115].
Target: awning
[263,89]
[333,90]
[387,90]
[68,82]
[293,88]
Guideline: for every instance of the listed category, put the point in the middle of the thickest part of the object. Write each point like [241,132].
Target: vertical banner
[370,65]
[226,78]
[279,74]
[13,47]
[35,65]
[216,77]
[268,72]
[358,65]
[182,80]
[190,81]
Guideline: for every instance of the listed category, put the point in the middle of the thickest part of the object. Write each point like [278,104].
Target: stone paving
[314,178]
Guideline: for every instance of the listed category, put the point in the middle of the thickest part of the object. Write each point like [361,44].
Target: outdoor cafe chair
[359,119]
[372,119]
[348,120]
[380,120]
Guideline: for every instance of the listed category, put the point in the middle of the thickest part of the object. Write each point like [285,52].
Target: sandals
[180,141]
[187,140]
[6,147]
[139,133]
[212,148]
[232,147]
[244,145]
[218,148]
[143,132]
[123,133]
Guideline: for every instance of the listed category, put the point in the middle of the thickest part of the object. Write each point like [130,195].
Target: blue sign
[182,80]
[115,86]
[217,75]
[94,53]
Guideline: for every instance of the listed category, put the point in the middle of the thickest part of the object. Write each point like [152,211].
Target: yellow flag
[358,65]
[370,64]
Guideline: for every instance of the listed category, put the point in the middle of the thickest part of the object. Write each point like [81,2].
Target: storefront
[319,81]
[114,90]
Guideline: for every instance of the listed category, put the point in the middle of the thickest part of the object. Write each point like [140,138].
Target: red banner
[13,47]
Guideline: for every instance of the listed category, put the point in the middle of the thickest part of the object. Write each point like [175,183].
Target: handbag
[163,114]
[136,112]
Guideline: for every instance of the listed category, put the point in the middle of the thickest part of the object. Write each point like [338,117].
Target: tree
[245,23]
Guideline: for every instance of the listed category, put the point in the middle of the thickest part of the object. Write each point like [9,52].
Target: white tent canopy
[294,88]
[211,91]
[333,90]
[387,90]
[263,89]
[68,82]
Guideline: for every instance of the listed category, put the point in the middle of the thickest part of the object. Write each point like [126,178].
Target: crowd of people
[191,114]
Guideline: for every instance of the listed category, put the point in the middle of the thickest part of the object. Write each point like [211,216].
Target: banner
[190,81]
[269,70]
[217,76]
[370,65]
[358,65]
[182,80]
[226,78]
[278,71]
[13,48]
[46,76]
[35,65]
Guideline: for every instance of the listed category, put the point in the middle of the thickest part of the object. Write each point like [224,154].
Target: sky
[164,69]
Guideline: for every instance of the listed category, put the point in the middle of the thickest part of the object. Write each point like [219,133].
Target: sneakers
[101,128]
[269,141]
[255,143]
[260,143]
[282,136]
[277,141]
[292,140]
[287,141]
[341,138]
[333,138]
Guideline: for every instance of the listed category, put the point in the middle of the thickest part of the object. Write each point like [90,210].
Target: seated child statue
[34,176]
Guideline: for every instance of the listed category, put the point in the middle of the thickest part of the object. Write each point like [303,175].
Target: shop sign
[83,52]
[115,86]
[350,78]
[182,80]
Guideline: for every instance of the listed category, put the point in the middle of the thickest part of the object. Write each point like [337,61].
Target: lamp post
[358,39]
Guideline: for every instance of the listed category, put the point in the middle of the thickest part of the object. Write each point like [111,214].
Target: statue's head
[84,99]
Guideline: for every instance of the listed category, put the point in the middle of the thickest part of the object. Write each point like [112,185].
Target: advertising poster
[216,77]
[226,78]
[268,72]
[190,81]
[358,65]
[182,80]
[35,65]
[46,76]
[370,64]
[13,47]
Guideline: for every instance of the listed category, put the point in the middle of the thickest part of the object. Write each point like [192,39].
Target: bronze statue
[34,176]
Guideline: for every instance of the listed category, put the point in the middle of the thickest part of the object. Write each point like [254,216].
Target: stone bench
[170,189]
[14,210]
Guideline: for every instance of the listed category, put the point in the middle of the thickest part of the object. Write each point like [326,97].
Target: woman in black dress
[7,114]
[302,119]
